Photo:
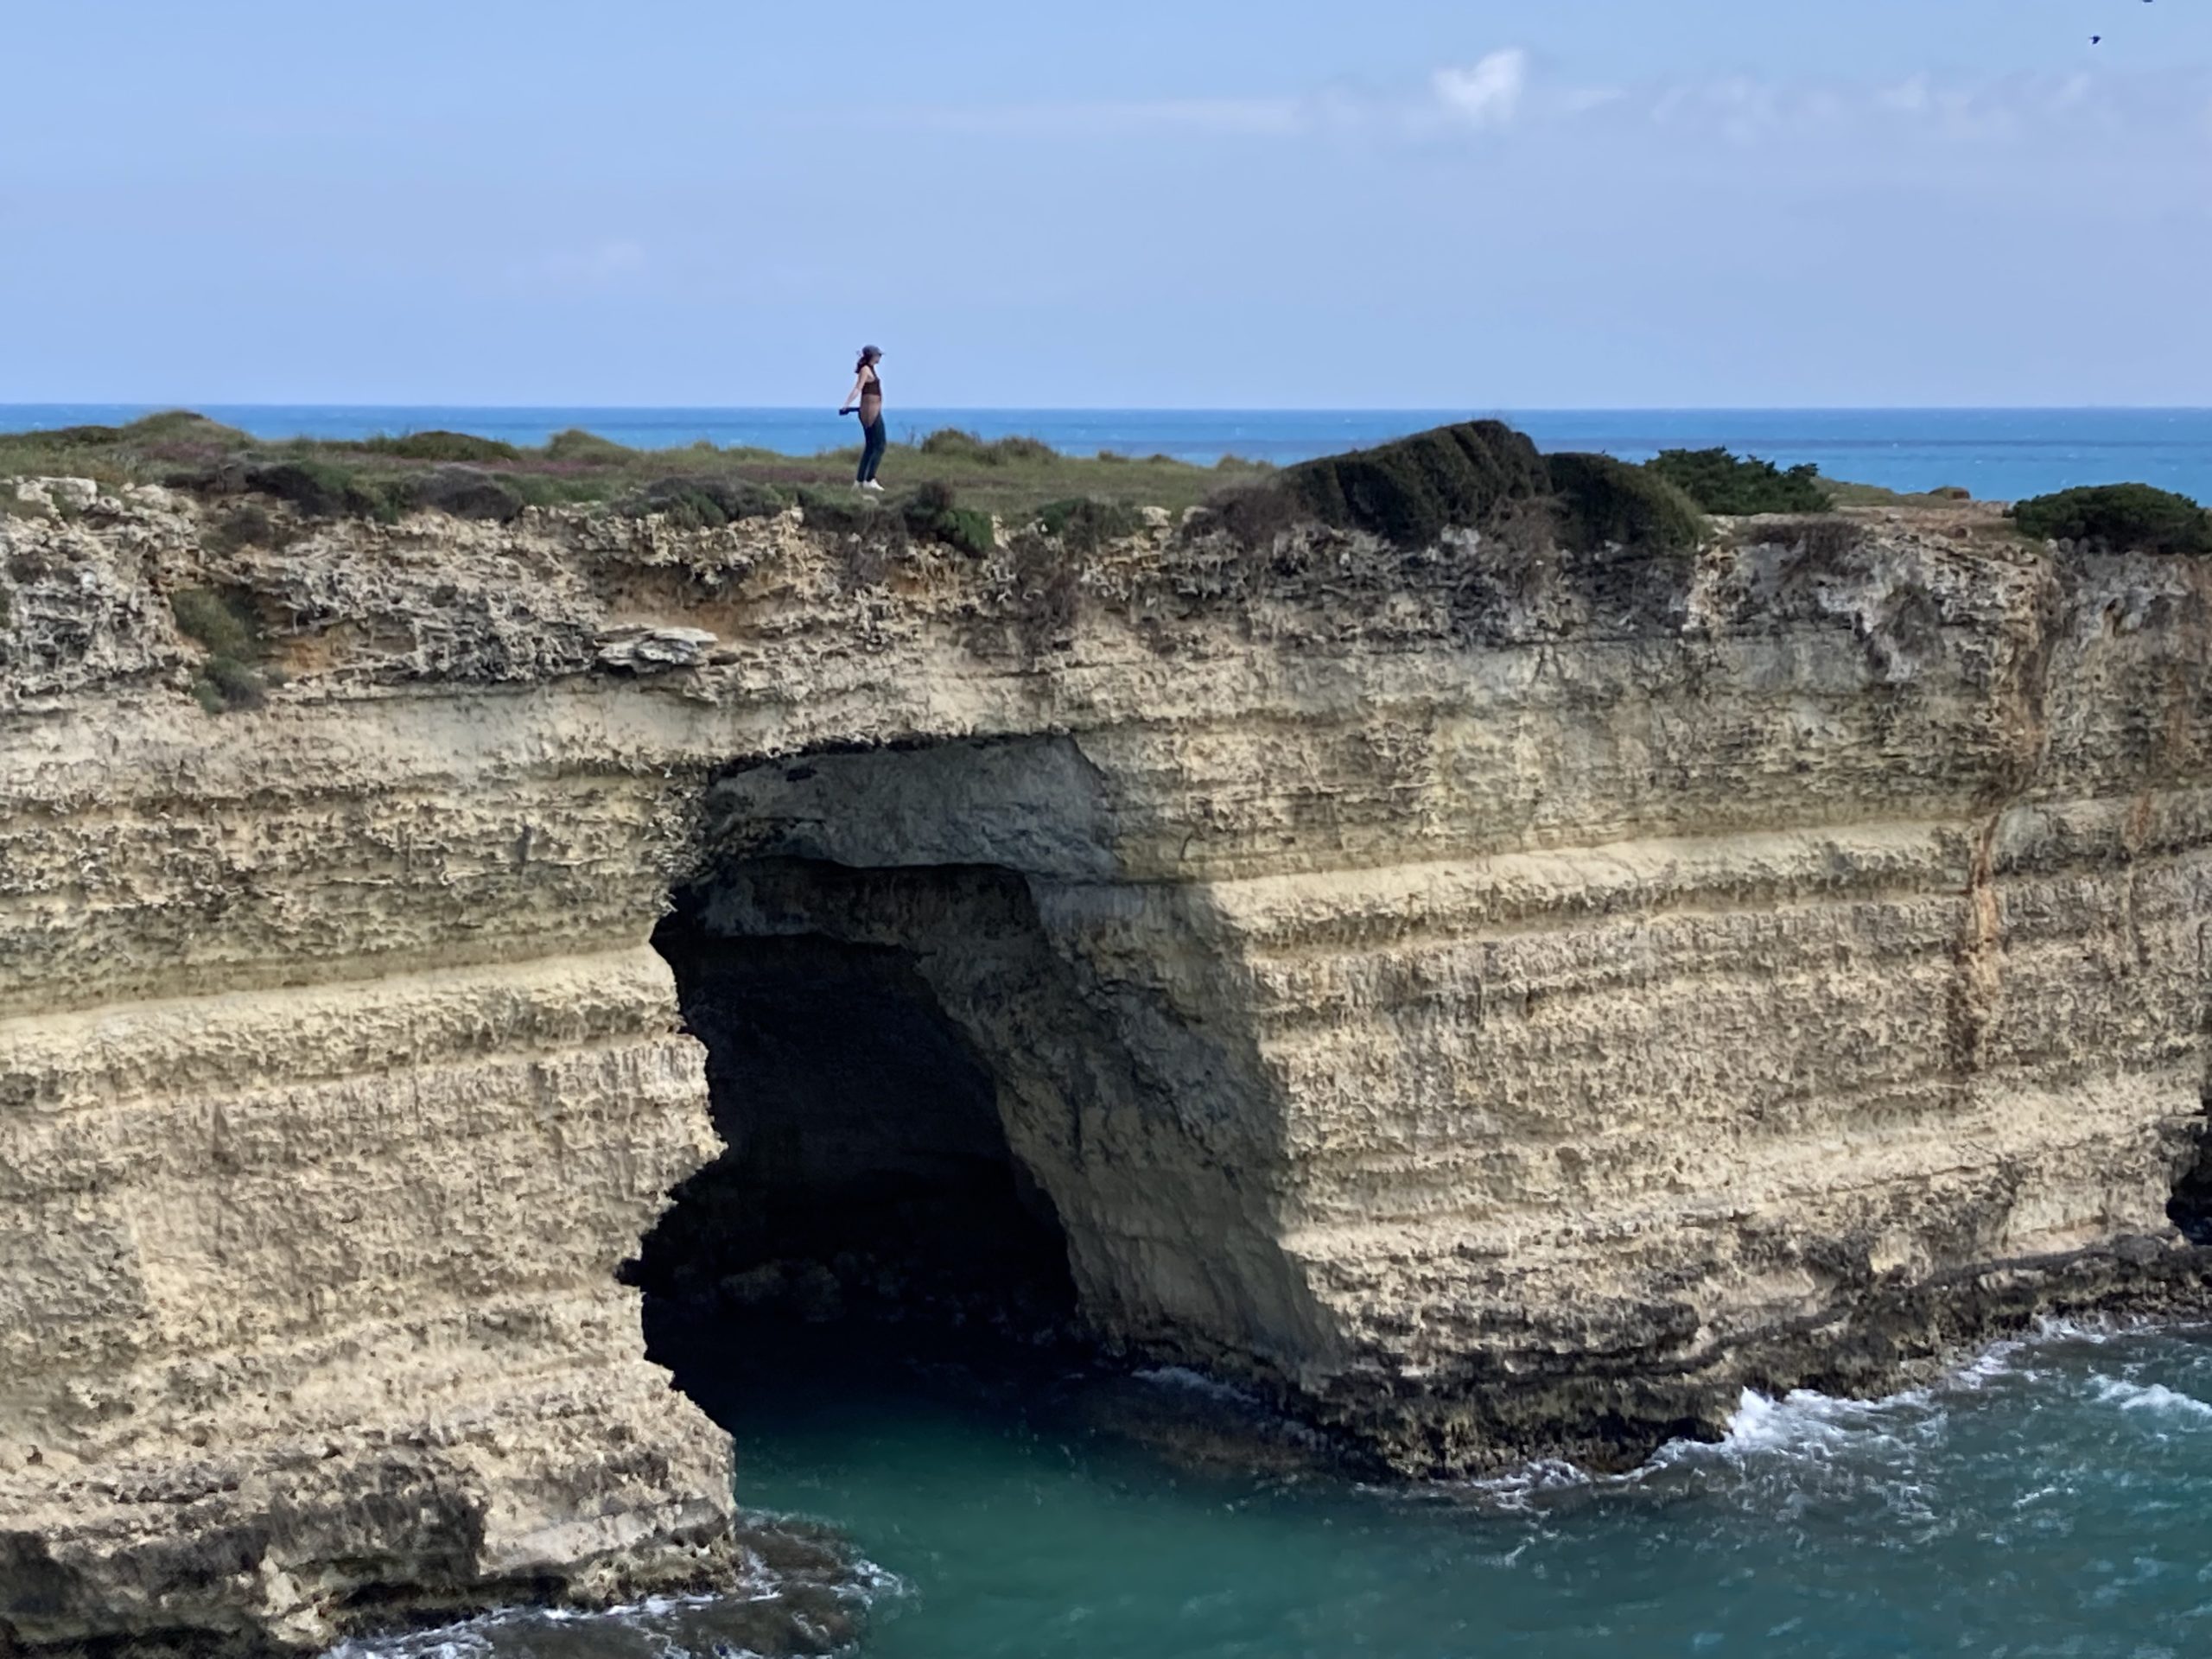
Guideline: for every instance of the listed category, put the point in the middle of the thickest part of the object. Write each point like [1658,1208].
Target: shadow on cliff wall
[866,1175]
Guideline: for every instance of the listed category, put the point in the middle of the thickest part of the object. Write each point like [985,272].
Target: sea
[2052,1499]
[1999,455]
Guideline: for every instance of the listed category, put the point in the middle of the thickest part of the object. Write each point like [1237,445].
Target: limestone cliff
[1500,1001]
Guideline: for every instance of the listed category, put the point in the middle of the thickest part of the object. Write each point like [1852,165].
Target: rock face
[1498,1001]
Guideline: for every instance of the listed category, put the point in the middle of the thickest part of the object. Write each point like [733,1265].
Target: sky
[1410,203]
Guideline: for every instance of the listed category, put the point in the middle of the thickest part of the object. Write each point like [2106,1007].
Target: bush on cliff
[1407,492]
[705,503]
[1603,502]
[575,447]
[462,491]
[952,443]
[1720,482]
[224,624]
[444,446]
[1088,522]
[2118,517]
[934,511]
[321,489]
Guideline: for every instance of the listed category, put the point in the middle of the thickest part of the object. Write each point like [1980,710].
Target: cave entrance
[868,1178]
[2190,1207]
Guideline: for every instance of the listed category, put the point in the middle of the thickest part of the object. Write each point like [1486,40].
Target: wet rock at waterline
[1485,1001]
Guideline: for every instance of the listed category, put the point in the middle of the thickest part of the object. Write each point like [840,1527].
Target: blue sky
[1379,203]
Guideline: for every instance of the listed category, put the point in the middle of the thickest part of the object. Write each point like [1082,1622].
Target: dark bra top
[872,386]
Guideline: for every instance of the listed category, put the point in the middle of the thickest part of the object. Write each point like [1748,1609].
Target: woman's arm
[853,398]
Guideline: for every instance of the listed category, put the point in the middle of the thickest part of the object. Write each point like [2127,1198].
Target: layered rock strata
[1498,1001]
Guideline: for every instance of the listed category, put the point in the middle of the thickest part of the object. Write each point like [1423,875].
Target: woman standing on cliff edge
[867,396]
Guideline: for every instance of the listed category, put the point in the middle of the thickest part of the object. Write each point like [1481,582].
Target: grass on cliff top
[484,478]
[945,485]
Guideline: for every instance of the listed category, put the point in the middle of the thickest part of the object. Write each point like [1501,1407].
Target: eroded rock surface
[1498,1001]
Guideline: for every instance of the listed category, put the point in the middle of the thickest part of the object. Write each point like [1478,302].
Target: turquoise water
[2054,1499]
[1999,455]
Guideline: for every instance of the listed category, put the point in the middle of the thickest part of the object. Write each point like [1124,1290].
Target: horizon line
[1458,411]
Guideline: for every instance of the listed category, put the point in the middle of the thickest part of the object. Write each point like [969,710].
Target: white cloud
[1489,94]
[1504,90]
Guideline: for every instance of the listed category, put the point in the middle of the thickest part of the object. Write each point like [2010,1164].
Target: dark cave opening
[2190,1207]
[868,1186]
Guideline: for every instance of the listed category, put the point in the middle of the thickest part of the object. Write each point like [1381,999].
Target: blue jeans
[872,449]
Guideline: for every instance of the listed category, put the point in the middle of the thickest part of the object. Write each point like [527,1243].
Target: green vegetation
[934,511]
[1873,495]
[1091,523]
[2118,517]
[1407,492]
[384,478]
[444,446]
[949,486]
[1718,481]
[1604,501]
[230,677]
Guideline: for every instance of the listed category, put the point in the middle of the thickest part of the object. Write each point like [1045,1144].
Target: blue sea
[2000,455]
[2051,1500]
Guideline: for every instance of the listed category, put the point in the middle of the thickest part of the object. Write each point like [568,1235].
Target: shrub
[445,446]
[705,503]
[575,444]
[1407,492]
[171,424]
[969,531]
[538,490]
[825,510]
[1720,482]
[930,499]
[1089,522]
[320,489]
[933,510]
[223,623]
[462,492]
[1604,502]
[224,683]
[75,437]
[950,442]
[2132,518]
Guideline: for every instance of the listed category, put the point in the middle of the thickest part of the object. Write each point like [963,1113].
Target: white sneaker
[873,487]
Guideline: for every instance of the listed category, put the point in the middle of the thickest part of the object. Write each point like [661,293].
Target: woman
[867,396]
